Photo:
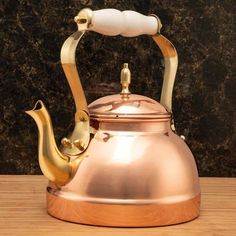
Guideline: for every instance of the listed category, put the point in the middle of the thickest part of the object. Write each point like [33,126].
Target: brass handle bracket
[171,63]
[84,19]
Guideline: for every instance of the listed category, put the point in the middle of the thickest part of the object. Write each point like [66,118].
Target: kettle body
[124,164]
[136,175]
[138,171]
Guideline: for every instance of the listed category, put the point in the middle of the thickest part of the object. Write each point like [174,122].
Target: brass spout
[54,165]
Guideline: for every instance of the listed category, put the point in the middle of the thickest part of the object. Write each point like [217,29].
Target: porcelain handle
[113,22]
[127,23]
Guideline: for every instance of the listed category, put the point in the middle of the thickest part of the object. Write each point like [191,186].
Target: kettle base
[117,215]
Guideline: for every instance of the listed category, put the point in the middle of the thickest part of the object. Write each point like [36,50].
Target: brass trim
[68,51]
[125,79]
[166,47]
[54,164]
[159,24]
[84,19]
[171,63]
[81,134]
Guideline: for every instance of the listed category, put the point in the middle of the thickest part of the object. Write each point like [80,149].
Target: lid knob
[125,79]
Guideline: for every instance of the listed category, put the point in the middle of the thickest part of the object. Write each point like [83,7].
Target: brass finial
[125,79]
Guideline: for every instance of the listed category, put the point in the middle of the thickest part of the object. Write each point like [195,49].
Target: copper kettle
[124,164]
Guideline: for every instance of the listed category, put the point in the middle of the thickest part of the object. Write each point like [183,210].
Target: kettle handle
[114,22]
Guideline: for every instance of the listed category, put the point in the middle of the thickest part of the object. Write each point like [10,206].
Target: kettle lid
[131,107]
[126,106]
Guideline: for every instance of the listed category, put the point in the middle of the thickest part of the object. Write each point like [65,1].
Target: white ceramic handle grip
[113,22]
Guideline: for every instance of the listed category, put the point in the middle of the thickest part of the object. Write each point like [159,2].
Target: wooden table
[23,212]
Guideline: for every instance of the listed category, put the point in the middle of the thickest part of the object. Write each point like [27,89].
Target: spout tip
[38,106]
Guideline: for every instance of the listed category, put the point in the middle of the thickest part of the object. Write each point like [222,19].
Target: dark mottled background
[203,32]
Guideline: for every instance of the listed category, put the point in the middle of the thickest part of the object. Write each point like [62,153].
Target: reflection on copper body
[134,174]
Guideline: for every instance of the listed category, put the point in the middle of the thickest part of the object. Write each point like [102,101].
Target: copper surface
[134,107]
[146,169]
[129,215]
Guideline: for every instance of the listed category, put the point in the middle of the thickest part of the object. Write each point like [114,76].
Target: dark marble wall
[203,32]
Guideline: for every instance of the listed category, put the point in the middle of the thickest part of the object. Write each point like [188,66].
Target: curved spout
[54,165]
